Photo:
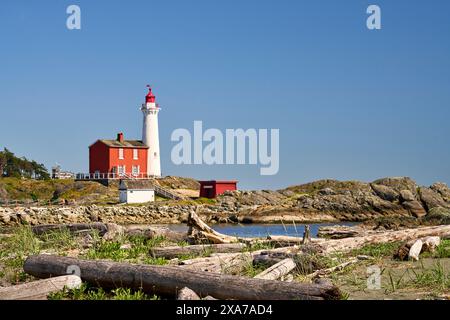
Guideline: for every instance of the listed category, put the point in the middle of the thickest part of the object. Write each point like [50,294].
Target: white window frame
[135,170]
[121,170]
[121,154]
[135,154]
[114,171]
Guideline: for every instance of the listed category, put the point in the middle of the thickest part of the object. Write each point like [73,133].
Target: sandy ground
[187,192]
[399,280]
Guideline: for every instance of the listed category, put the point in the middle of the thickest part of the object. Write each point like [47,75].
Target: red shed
[116,158]
[212,188]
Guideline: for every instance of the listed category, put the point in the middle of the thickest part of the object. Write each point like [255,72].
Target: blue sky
[350,103]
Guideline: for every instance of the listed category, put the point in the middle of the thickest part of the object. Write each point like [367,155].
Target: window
[120,153]
[135,154]
[121,170]
[135,170]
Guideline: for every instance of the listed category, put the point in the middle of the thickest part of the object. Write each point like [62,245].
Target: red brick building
[212,188]
[118,158]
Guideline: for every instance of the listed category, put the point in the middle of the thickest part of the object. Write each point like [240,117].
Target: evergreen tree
[12,166]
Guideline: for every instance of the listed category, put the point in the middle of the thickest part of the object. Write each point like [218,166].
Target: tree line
[13,166]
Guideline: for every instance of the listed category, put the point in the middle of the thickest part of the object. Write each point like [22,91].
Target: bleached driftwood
[306,235]
[176,251]
[187,294]
[111,231]
[219,263]
[340,232]
[278,270]
[348,244]
[206,231]
[71,227]
[327,271]
[39,290]
[166,280]
[415,250]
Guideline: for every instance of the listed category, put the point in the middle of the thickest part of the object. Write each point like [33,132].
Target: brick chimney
[120,137]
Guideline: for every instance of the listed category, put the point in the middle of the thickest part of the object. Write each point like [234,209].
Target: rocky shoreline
[320,201]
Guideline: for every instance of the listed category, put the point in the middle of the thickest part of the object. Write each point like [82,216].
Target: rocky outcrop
[431,198]
[332,200]
[151,214]
[320,201]
[385,192]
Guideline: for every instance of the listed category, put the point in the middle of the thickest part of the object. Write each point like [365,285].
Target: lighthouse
[150,134]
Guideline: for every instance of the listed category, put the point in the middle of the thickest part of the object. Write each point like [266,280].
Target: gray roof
[136,185]
[125,143]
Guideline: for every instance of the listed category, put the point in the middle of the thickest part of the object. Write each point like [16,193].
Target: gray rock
[385,192]
[406,195]
[415,208]
[327,191]
[431,198]
[287,193]
[5,217]
[398,183]
[24,218]
[442,189]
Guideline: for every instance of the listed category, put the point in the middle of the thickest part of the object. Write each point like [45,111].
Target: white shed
[136,191]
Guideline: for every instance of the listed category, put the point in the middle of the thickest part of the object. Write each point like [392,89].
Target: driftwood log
[151,232]
[199,229]
[39,290]
[428,244]
[228,263]
[348,244]
[340,232]
[327,271]
[278,270]
[187,294]
[194,222]
[235,262]
[306,235]
[71,227]
[167,280]
[111,231]
[415,250]
[268,258]
[176,251]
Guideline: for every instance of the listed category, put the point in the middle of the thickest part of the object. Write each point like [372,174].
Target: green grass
[259,246]
[251,270]
[308,263]
[60,240]
[443,250]
[111,250]
[202,200]
[14,250]
[435,278]
[378,250]
[86,292]
[154,261]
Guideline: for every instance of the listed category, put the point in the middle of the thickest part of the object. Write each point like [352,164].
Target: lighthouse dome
[150,97]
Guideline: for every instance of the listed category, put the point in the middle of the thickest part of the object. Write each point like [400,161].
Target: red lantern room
[150,97]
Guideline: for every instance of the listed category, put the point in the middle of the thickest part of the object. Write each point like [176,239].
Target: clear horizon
[350,103]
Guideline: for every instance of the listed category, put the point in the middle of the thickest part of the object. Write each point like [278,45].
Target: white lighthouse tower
[150,134]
